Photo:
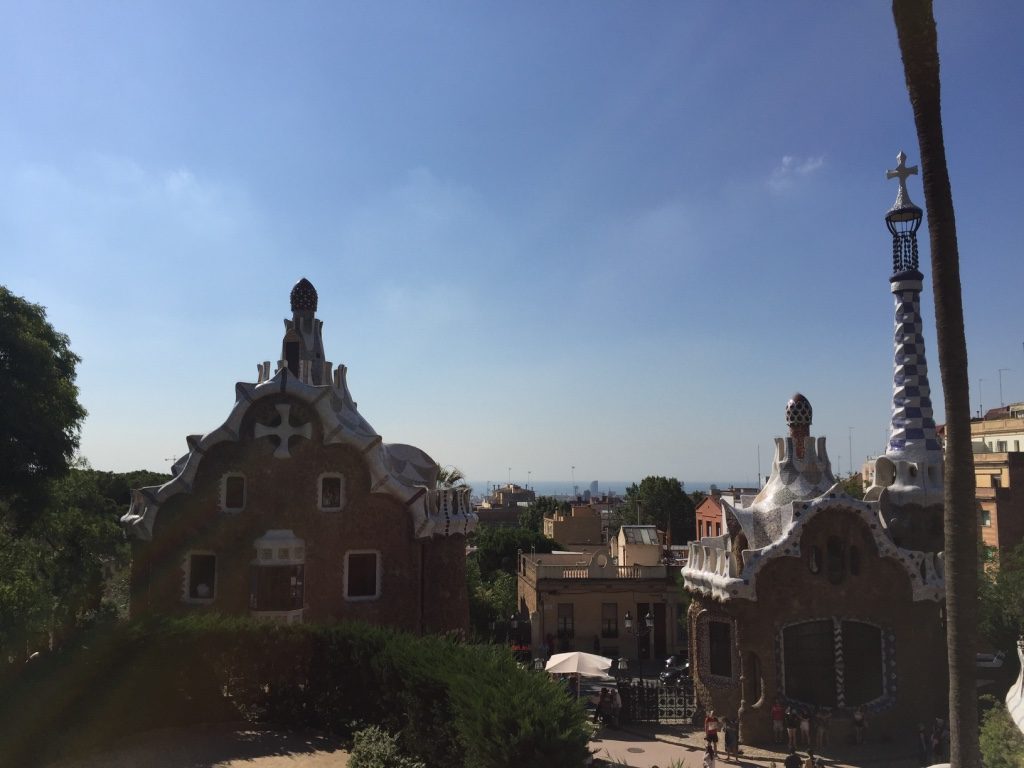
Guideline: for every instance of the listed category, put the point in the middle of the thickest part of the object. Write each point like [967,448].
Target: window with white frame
[200,577]
[232,492]
[362,574]
[331,491]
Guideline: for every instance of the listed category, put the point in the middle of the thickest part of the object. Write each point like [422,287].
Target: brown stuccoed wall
[422,582]
[788,592]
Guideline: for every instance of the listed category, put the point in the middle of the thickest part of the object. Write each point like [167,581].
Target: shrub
[447,704]
[376,748]
[1002,743]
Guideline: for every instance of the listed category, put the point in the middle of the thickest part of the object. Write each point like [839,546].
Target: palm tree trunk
[915,26]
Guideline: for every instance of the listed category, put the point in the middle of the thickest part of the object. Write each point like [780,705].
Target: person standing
[860,724]
[924,746]
[731,735]
[792,722]
[805,727]
[938,740]
[709,757]
[822,721]
[614,706]
[778,722]
[711,731]
[601,708]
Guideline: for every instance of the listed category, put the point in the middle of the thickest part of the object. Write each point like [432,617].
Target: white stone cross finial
[901,172]
[283,432]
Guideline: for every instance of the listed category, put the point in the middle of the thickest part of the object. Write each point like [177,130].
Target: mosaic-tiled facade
[817,599]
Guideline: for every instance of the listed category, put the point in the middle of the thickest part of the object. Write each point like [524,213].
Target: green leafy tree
[532,517]
[1001,598]
[918,41]
[491,602]
[40,416]
[497,548]
[852,485]
[661,501]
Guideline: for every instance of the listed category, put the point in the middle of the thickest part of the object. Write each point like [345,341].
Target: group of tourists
[793,760]
[796,726]
[931,745]
[608,707]
[730,736]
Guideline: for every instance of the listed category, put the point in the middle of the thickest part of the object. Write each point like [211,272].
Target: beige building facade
[581,526]
[579,601]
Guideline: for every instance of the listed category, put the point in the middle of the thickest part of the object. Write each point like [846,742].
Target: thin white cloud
[792,169]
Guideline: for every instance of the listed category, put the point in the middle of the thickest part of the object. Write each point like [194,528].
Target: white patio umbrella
[579,663]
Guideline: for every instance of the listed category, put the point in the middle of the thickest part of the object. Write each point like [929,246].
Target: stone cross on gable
[283,432]
[901,172]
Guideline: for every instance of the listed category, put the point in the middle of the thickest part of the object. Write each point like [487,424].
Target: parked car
[677,669]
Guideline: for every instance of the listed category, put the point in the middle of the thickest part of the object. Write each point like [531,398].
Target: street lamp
[642,630]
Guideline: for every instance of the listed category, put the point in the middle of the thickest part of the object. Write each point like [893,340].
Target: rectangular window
[566,629]
[1016,445]
[609,620]
[720,648]
[1001,446]
[234,492]
[362,575]
[986,518]
[202,576]
[330,492]
[718,529]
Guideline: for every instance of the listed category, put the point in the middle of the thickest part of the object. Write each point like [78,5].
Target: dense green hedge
[450,704]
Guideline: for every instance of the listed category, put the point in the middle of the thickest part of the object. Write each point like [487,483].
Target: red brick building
[294,509]
[709,516]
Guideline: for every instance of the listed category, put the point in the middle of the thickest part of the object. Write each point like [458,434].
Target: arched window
[814,560]
[854,561]
[835,560]
[752,680]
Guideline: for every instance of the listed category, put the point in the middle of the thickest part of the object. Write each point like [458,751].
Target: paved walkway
[217,746]
[660,746]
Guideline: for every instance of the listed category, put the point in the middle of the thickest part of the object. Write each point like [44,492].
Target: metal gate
[653,702]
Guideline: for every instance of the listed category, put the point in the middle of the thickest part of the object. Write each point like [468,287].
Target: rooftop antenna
[759,466]
[1001,403]
[981,410]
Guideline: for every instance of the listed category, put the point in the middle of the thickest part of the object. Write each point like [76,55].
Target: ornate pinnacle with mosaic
[912,432]
[903,219]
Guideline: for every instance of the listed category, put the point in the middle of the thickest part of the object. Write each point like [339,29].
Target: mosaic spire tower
[908,478]
[912,431]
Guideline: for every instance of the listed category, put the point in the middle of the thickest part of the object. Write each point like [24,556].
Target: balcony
[580,572]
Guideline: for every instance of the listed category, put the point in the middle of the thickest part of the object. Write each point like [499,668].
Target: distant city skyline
[603,236]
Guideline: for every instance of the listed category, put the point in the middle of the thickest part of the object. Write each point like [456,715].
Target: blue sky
[614,236]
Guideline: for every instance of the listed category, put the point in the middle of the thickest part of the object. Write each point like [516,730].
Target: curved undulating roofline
[401,471]
[708,568]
